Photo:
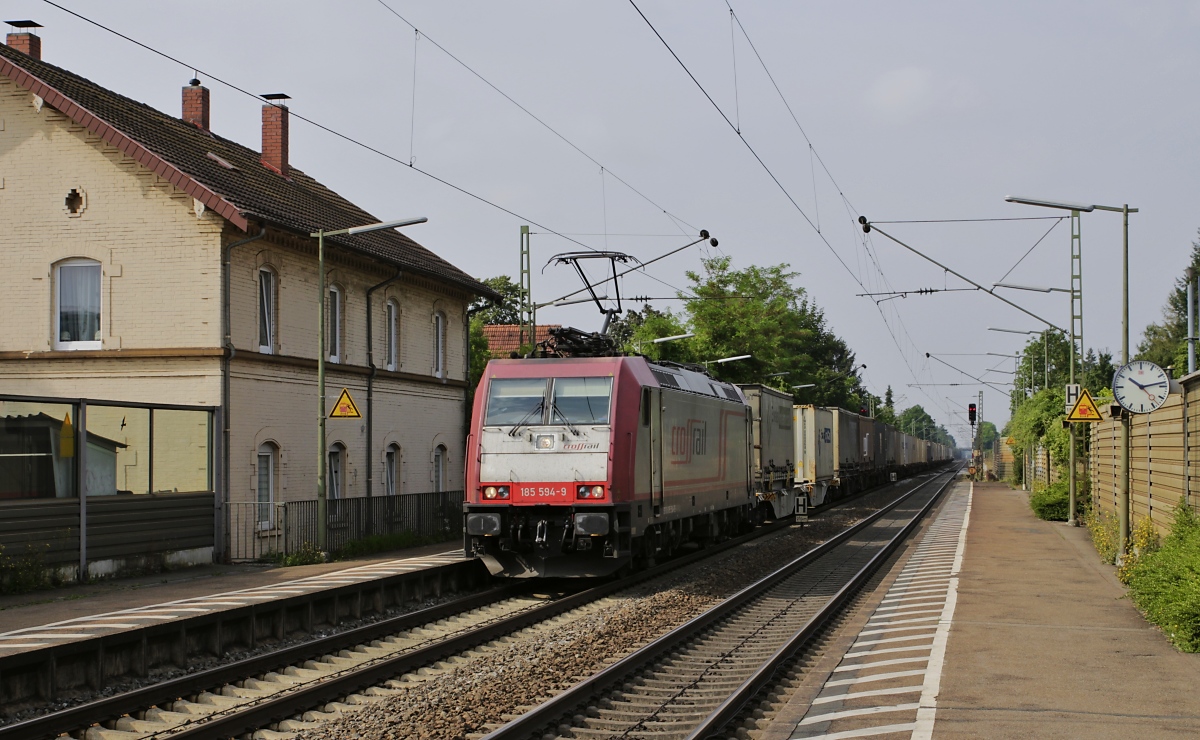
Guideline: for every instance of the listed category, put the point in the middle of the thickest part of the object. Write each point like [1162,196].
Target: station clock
[1141,387]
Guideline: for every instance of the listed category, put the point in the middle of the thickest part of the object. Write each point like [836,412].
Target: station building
[149,260]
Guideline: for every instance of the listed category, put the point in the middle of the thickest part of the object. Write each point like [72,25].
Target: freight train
[584,466]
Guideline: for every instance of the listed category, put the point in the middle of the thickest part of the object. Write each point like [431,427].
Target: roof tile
[179,151]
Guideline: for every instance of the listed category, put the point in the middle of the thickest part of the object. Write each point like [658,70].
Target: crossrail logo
[689,441]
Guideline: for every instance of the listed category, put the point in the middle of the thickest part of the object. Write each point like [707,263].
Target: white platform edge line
[927,713]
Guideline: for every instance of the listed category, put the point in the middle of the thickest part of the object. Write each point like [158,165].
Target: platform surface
[45,618]
[1000,625]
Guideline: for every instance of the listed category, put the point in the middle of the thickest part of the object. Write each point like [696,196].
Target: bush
[1164,583]
[307,554]
[384,542]
[1052,502]
[1103,528]
[27,572]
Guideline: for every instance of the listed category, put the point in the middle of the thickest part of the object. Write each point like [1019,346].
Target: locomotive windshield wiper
[525,419]
[556,411]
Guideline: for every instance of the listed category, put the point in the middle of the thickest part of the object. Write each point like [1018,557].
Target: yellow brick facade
[162,339]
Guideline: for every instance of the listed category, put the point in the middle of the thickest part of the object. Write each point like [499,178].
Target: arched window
[77,304]
[267,457]
[439,468]
[392,329]
[333,325]
[439,344]
[266,311]
[334,471]
[391,470]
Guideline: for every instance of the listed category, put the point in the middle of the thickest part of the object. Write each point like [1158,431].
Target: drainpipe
[226,363]
[371,385]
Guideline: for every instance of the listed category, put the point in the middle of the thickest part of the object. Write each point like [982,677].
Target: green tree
[886,412]
[759,312]
[508,311]
[987,434]
[1165,343]
[635,331]
[479,353]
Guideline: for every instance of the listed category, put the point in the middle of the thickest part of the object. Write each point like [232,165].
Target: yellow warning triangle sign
[344,407]
[1084,409]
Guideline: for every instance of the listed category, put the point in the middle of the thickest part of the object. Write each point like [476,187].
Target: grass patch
[27,571]
[1052,502]
[1103,528]
[384,542]
[1164,581]
[306,554]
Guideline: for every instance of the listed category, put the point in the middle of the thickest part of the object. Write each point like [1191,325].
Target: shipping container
[814,453]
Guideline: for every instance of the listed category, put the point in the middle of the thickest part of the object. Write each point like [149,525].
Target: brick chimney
[275,133]
[195,104]
[25,41]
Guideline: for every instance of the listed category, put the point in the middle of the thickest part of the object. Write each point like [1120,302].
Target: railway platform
[88,636]
[997,625]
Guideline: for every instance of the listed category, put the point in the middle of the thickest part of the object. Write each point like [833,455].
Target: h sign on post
[1072,397]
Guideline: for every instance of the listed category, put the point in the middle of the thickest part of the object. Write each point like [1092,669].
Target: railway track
[279,693]
[320,677]
[695,681]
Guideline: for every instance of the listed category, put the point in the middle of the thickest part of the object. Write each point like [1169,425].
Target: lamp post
[1077,319]
[1045,352]
[322,501]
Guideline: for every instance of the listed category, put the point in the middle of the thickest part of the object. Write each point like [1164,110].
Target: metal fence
[259,531]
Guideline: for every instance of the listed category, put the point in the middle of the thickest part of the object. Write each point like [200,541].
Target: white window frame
[267,455]
[391,470]
[266,310]
[392,324]
[75,345]
[335,474]
[439,344]
[333,325]
[439,468]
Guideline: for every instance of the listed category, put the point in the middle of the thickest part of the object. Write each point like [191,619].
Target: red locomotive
[581,466]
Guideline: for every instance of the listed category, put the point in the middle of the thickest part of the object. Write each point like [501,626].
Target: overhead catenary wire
[536,118]
[345,137]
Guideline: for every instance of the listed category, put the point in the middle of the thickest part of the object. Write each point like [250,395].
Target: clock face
[1141,387]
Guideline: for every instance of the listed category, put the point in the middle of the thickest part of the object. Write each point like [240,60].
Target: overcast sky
[926,110]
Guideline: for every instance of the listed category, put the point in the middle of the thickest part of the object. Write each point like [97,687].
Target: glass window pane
[334,332]
[118,450]
[515,401]
[266,302]
[266,470]
[391,335]
[37,450]
[581,400]
[389,472]
[334,484]
[79,303]
[181,451]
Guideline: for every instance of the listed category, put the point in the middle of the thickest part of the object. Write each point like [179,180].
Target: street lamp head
[805,385]
[779,375]
[386,225]
[660,340]
[1012,331]
[732,359]
[1051,204]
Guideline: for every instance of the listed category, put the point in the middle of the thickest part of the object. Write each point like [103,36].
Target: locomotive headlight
[543,442]
[502,492]
[490,492]
[589,492]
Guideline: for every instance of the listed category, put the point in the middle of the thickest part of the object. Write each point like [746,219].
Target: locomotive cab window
[515,401]
[581,400]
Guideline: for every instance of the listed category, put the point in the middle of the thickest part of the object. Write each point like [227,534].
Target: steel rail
[82,715]
[257,714]
[728,710]
[547,713]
